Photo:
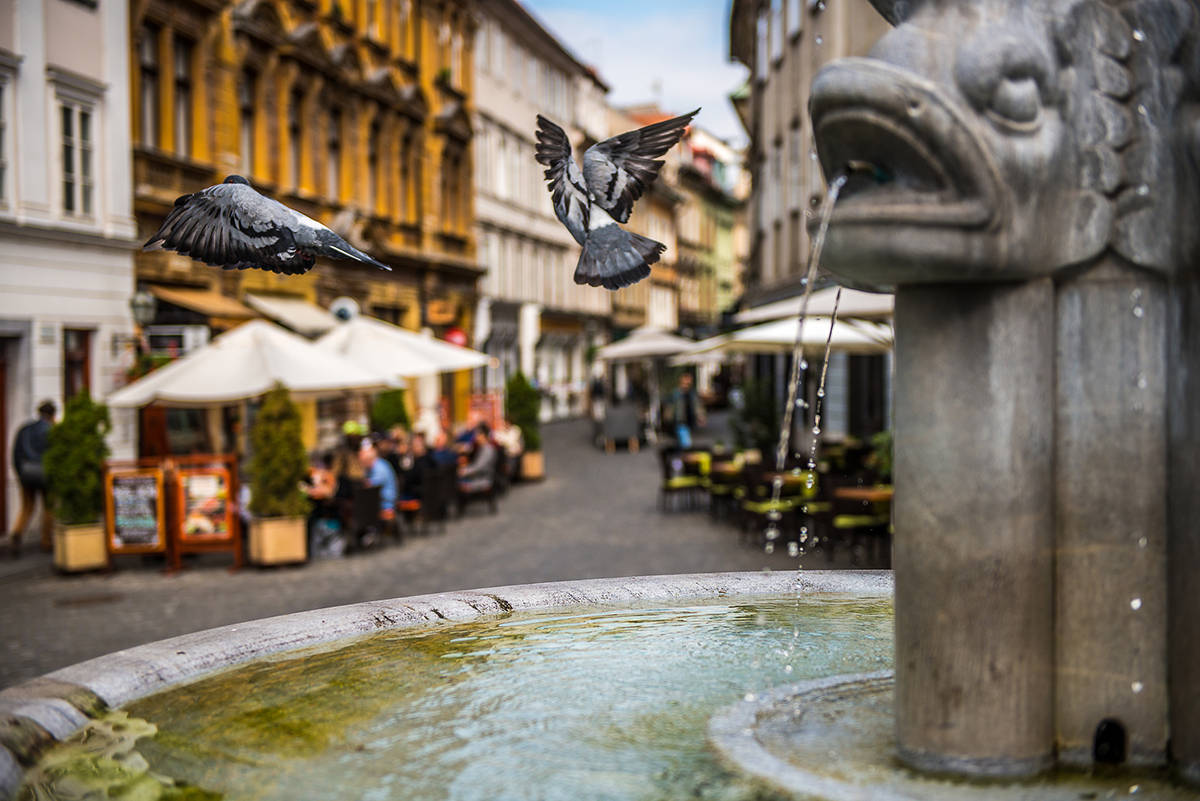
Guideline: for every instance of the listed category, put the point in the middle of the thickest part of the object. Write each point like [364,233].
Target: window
[373,164]
[76,361]
[333,157]
[77,166]
[183,97]
[795,182]
[497,55]
[456,48]
[406,176]
[795,18]
[482,37]
[295,136]
[776,30]
[148,68]
[760,48]
[246,121]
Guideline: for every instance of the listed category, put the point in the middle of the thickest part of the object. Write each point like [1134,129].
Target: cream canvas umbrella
[644,343]
[854,303]
[245,363]
[853,336]
[396,353]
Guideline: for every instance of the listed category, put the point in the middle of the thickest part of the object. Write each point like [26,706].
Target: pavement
[594,516]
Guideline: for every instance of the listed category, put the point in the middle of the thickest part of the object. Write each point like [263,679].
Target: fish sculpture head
[1003,140]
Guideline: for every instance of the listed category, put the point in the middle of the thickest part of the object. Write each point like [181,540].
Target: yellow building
[354,112]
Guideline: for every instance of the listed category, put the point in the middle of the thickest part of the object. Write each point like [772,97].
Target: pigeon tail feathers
[614,258]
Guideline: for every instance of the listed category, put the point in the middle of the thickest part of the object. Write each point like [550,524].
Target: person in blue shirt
[380,474]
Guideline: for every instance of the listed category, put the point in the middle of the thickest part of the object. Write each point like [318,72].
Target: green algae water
[583,703]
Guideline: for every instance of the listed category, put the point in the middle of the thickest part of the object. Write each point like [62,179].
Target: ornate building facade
[354,112]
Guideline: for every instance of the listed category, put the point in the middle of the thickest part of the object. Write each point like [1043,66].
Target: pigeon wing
[563,178]
[620,169]
[234,227]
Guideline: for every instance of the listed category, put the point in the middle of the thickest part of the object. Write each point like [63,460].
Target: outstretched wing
[563,178]
[620,169]
[232,226]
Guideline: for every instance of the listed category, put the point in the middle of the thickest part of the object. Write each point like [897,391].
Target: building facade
[532,316]
[354,112]
[66,216]
[784,43]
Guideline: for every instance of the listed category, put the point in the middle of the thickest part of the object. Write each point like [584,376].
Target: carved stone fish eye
[1005,74]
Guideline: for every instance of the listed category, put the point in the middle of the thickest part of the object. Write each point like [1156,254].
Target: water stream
[799,368]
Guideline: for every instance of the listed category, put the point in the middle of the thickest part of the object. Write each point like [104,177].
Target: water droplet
[750,698]
[1139,312]
[1139,35]
[787,668]
[816,430]
[1141,381]
[819,40]
[769,547]
[1135,604]
[773,516]
[793,549]
[1143,542]
[1143,111]
[1143,190]
[812,155]
[803,364]
[1133,788]
[778,482]
[1137,686]
[1135,295]
[821,393]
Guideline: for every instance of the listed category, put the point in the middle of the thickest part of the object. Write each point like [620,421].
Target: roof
[204,301]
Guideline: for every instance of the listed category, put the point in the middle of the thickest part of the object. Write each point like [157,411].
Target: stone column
[1183,545]
[973,554]
[1111,508]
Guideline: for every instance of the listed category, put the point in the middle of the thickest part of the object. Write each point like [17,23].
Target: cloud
[679,48]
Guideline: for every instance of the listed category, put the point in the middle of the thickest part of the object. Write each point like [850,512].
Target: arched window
[373,174]
[295,127]
[333,157]
[149,89]
[247,90]
[183,96]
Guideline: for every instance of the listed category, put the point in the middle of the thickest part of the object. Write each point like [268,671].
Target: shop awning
[854,303]
[644,343]
[850,336]
[204,301]
[395,352]
[295,313]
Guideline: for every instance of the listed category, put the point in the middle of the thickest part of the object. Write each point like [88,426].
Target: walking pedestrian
[29,450]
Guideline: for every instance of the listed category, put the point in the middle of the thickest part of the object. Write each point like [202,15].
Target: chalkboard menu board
[205,510]
[134,504]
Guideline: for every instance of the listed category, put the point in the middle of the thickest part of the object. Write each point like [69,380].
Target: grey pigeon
[232,226]
[591,202]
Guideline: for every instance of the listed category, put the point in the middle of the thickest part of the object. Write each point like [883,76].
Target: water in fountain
[799,366]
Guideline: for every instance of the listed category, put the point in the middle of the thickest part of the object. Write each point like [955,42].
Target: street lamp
[143,305]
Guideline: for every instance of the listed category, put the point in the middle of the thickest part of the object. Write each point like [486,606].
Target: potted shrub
[279,509]
[522,405]
[389,409]
[74,464]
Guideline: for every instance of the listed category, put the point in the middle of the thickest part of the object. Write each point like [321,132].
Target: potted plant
[279,509]
[522,405]
[389,409]
[74,464]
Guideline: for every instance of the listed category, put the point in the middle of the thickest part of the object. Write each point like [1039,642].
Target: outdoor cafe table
[880,494]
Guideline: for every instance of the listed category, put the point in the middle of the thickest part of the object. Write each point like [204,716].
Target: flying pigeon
[591,202]
[232,226]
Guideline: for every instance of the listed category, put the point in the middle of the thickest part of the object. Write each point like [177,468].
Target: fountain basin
[481,675]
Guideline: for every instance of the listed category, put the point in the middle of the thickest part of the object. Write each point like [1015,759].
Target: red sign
[456,336]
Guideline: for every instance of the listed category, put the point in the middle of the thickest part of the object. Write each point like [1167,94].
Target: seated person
[379,474]
[420,462]
[320,485]
[477,475]
[442,453]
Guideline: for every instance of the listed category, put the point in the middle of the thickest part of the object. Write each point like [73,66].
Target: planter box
[78,548]
[279,541]
[533,466]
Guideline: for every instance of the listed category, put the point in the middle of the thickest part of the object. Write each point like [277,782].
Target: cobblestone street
[595,515]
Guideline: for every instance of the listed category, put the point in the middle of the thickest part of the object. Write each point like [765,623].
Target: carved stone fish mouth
[911,155]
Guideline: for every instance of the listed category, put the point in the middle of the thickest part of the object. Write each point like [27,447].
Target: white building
[532,316]
[66,213]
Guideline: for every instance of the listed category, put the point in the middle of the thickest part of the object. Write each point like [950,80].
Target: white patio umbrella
[646,342]
[245,363]
[395,352]
[853,336]
[854,303]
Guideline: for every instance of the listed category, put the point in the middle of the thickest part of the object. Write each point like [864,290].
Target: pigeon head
[236,179]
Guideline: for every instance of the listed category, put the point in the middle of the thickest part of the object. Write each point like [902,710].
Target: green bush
[389,410]
[756,424]
[74,461]
[880,458]
[279,463]
[522,407]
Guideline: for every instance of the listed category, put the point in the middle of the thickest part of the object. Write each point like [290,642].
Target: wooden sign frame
[225,467]
[110,528]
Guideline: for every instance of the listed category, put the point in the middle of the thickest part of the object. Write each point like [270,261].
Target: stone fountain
[1033,198]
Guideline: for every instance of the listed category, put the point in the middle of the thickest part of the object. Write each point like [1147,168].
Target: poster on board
[205,511]
[134,506]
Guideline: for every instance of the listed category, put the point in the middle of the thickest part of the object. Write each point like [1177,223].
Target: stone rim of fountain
[38,712]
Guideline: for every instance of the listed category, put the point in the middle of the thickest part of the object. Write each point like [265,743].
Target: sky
[675,52]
